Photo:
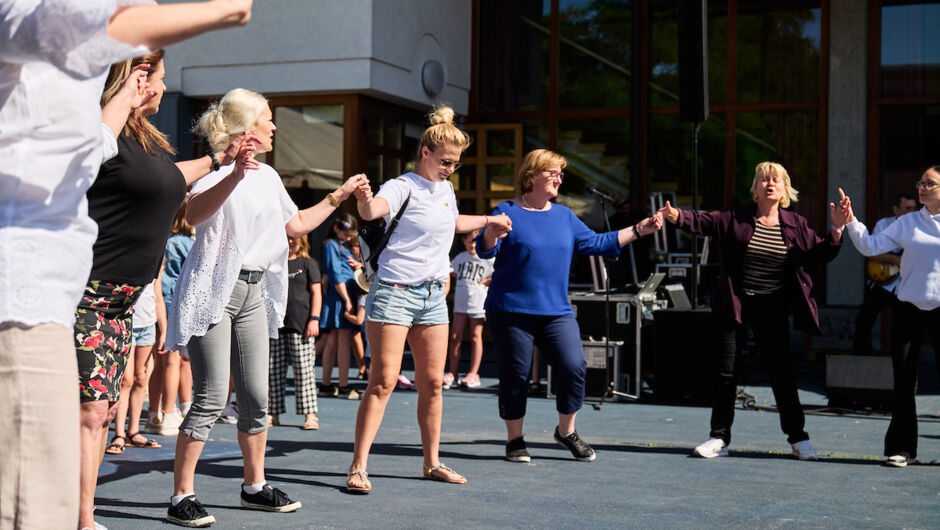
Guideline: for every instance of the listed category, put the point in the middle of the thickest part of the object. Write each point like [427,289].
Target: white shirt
[54,57]
[145,308]
[249,224]
[470,270]
[418,249]
[880,226]
[918,235]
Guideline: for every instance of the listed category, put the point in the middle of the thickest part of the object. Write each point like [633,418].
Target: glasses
[926,185]
[554,175]
[447,163]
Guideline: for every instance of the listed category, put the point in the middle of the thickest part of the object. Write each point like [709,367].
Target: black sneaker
[516,451]
[269,499]
[578,447]
[328,390]
[189,513]
[347,392]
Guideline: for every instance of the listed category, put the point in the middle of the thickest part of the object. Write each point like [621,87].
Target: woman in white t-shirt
[406,301]
[232,295]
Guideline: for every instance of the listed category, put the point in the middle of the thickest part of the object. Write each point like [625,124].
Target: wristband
[333,202]
[314,318]
[636,230]
[215,161]
[837,229]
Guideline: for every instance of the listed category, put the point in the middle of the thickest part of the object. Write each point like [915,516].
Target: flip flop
[366,486]
[114,448]
[448,476]
[149,444]
[311,424]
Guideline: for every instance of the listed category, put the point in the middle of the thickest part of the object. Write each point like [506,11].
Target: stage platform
[643,476]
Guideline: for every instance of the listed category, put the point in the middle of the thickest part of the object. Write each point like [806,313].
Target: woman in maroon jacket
[766,255]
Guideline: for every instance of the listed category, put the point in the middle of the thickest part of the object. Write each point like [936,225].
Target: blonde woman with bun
[232,295]
[406,301]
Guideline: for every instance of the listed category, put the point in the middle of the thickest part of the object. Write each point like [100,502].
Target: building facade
[844,93]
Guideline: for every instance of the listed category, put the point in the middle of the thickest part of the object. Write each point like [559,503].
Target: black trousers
[875,300]
[910,323]
[767,317]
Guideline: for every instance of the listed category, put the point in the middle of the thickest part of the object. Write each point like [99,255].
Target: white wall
[376,47]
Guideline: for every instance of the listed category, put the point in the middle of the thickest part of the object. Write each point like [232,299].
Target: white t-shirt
[470,270]
[145,308]
[418,248]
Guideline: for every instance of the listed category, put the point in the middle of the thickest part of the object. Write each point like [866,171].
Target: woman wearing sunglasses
[918,306]
[406,300]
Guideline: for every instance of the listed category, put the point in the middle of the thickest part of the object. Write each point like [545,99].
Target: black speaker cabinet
[859,381]
[693,60]
[684,347]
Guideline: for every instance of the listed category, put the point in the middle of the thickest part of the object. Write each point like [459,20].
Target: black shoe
[578,447]
[516,451]
[347,392]
[328,390]
[189,513]
[269,499]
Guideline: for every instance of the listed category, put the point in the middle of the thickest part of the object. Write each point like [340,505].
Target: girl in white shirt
[406,301]
[918,308]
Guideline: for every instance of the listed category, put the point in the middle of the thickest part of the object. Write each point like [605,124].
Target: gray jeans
[236,345]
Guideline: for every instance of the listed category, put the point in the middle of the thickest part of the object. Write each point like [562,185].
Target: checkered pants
[292,347]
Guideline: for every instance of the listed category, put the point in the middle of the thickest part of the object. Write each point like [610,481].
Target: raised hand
[650,224]
[245,159]
[364,192]
[350,186]
[136,89]
[240,11]
[231,151]
[669,213]
[841,213]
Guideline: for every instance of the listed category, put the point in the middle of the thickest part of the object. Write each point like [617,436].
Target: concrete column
[848,109]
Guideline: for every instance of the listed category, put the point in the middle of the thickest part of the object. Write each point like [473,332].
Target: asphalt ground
[643,476]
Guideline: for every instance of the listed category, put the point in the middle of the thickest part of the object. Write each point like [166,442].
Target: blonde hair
[137,126]
[442,131]
[765,169]
[232,115]
[534,162]
[303,247]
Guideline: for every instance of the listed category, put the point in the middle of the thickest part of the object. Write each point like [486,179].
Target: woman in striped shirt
[766,258]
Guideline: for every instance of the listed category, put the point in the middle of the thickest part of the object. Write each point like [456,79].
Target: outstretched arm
[643,228]
[158,26]
[307,220]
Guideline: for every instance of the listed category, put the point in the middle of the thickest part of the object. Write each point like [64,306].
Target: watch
[314,318]
[333,202]
[215,161]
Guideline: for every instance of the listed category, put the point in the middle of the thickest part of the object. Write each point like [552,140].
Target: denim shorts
[146,336]
[406,305]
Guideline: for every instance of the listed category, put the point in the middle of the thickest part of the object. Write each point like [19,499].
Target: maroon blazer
[732,229]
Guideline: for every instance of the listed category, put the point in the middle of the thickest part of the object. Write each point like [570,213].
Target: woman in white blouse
[231,298]
[918,307]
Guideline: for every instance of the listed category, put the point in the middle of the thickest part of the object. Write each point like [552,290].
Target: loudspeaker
[693,60]
[859,381]
[684,347]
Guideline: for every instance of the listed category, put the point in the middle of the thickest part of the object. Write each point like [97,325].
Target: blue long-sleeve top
[530,274]
[336,262]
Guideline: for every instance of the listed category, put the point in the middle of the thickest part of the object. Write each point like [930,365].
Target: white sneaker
[896,461]
[712,448]
[171,424]
[154,423]
[229,414]
[803,450]
[184,408]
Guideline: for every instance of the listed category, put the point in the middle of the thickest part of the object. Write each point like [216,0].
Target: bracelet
[314,318]
[636,230]
[215,161]
[837,229]
[333,202]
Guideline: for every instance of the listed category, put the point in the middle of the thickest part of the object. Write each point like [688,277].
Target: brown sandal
[114,448]
[442,473]
[150,443]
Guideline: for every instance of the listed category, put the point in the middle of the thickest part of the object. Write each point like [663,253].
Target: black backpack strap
[374,261]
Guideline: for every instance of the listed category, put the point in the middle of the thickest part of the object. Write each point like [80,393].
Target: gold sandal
[447,474]
[363,476]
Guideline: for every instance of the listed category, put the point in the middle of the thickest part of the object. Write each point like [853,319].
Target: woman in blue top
[336,301]
[528,303]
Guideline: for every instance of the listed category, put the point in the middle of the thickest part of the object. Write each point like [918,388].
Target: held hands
[364,192]
[498,226]
[841,213]
[650,224]
[245,159]
[669,213]
[230,153]
[350,186]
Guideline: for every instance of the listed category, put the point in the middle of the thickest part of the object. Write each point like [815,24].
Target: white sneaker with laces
[712,448]
[804,451]
[896,461]
[171,424]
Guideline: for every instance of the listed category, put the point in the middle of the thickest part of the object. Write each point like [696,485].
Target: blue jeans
[559,340]
[407,305]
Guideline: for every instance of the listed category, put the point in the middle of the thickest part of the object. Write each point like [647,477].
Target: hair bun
[442,115]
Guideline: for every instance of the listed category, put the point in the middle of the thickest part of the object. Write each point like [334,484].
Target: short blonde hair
[534,162]
[232,115]
[765,169]
[442,131]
